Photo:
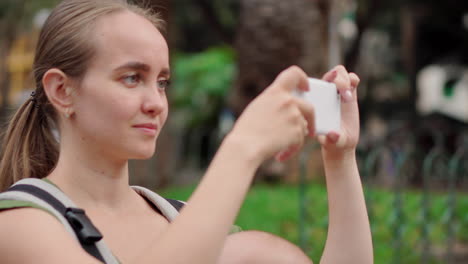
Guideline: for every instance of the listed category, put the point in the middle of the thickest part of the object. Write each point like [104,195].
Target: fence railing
[417,200]
[416,193]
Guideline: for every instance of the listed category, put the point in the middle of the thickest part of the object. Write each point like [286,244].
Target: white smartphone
[327,105]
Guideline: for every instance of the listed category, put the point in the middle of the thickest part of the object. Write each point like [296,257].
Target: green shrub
[275,209]
[201,82]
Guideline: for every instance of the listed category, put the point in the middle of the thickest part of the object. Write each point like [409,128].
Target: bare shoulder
[28,235]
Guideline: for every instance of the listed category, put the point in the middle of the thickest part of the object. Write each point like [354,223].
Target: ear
[58,88]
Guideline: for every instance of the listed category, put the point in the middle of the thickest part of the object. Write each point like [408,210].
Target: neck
[91,178]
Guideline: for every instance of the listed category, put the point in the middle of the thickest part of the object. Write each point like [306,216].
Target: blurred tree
[201,24]
[367,12]
[273,35]
[10,11]
[16,17]
[419,32]
[433,32]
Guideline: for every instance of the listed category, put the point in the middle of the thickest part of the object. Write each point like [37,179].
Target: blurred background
[412,57]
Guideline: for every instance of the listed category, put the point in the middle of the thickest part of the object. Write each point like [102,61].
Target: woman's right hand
[276,120]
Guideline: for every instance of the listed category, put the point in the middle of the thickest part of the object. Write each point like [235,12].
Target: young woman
[101,70]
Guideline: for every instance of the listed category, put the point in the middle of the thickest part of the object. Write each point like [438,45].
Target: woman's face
[121,105]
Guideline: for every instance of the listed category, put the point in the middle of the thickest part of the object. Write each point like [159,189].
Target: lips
[146,125]
[147,128]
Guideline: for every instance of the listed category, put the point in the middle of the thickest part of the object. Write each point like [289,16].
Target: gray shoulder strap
[166,208]
[59,195]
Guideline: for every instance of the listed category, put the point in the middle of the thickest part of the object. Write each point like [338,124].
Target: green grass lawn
[397,234]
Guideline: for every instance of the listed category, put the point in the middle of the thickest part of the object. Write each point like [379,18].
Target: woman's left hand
[340,142]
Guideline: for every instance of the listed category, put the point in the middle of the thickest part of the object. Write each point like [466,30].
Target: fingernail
[333,137]
[330,77]
[347,96]
[284,156]
[279,156]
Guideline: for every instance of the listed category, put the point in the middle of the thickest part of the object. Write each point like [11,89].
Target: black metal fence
[416,196]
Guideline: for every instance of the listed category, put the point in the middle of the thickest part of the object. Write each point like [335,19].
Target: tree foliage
[201,82]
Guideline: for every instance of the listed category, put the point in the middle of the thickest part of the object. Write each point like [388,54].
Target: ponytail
[29,148]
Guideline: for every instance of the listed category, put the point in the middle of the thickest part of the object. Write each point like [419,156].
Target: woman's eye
[164,84]
[131,80]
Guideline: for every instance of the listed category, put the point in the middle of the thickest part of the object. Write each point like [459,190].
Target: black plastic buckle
[85,230]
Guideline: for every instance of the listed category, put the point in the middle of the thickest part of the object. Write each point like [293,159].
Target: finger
[307,110]
[296,147]
[330,76]
[278,156]
[348,95]
[333,137]
[342,80]
[290,79]
[343,84]
[287,154]
[305,127]
[283,155]
[336,139]
[354,79]
[322,139]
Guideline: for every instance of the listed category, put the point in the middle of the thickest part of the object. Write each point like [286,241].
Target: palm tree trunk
[272,36]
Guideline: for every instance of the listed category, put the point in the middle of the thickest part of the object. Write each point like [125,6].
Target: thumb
[290,79]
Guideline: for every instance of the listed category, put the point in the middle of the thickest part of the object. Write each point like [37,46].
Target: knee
[260,247]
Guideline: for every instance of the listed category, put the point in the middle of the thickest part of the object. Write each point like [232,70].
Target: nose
[154,102]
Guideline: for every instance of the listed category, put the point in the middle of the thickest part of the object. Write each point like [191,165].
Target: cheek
[165,112]
[103,109]
[122,107]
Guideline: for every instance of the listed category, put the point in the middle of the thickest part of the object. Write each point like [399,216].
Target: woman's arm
[198,233]
[349,237]
[274,121]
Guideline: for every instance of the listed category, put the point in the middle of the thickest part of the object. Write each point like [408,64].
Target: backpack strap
[178,205]
[73,218]
[169,208]
[86,232]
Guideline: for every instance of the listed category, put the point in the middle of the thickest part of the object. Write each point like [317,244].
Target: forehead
[125,36]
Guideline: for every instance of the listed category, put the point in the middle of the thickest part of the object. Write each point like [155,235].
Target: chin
[139,150]
[141,156]
[144,153]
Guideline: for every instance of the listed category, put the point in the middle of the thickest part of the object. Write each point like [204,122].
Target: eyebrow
[134,65]
[166,72]
[139,66]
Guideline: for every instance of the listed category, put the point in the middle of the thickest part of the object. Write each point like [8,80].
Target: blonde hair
[29,148]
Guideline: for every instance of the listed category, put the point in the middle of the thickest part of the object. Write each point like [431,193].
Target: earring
[68,113]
